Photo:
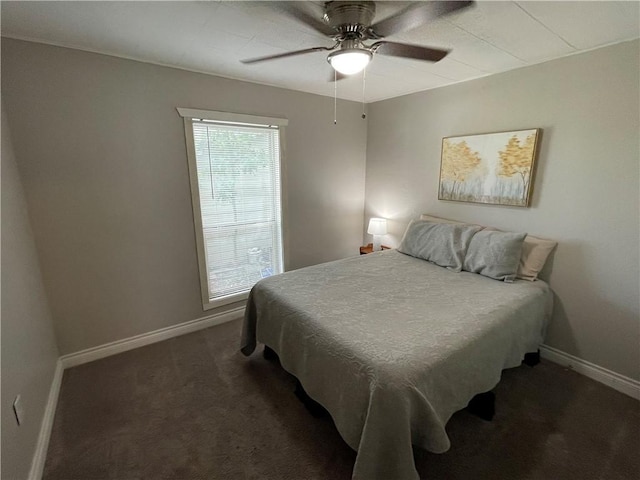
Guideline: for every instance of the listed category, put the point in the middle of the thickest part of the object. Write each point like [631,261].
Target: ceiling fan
[350,24]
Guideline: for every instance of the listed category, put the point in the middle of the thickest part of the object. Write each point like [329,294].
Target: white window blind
[238,202]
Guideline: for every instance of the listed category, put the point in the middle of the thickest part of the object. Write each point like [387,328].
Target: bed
[392,345]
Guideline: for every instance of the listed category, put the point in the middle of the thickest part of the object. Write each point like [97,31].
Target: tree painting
[493,168]
[515,160]
[459,162]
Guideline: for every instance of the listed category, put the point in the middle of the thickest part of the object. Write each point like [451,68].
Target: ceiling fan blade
[414,16]
[292,10]
[409,51]
[287,54]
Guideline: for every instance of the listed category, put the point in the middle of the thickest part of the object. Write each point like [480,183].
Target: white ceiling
[212,37]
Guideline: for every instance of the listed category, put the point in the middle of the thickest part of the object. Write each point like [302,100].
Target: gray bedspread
[392,346]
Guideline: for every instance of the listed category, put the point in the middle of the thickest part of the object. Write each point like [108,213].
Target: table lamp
[377,228]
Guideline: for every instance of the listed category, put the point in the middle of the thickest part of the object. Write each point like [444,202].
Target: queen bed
[392,345]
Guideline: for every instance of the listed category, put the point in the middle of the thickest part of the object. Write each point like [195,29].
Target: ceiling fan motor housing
[350,18]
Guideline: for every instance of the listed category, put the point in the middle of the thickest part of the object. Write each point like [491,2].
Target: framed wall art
[492,168]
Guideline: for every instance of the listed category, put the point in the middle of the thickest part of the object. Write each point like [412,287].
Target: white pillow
[535,252]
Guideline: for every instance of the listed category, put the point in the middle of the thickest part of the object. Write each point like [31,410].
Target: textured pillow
[495,254]
[441,243]
[535,252]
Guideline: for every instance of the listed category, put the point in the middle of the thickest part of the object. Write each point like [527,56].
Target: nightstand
[369,248]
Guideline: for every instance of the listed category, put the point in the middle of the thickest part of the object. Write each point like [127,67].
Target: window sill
[219,302]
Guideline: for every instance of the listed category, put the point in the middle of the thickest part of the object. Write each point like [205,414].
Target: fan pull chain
[364,76]
[335,97]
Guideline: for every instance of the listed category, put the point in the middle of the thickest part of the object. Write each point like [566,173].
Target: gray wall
[103,161]
[585,194]
[29,352]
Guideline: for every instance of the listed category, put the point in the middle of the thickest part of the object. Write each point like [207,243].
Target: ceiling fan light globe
[349,62]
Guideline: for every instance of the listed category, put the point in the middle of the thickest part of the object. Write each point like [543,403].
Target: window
[234,165]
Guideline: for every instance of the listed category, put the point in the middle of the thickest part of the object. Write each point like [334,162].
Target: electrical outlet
[18,410]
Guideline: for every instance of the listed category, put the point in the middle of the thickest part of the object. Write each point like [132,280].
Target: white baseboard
[40,455]
[119,346]
[623,384]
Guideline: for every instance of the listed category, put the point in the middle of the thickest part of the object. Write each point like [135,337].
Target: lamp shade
[377,226]
[349,61]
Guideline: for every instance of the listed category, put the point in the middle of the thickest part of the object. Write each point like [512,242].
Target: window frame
[188,115]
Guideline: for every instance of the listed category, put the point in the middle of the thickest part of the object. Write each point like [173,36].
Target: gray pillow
[495,254]
[441,243]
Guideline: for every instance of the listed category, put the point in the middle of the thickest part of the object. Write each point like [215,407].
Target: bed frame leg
[314,408]
[532,358]
[270,354]
[483,405]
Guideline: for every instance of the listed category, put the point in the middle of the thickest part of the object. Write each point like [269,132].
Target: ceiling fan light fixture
[349,61]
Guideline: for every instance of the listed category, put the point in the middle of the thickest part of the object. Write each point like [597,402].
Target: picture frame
[490,168]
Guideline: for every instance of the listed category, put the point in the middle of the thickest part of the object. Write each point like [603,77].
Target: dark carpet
[194,407]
